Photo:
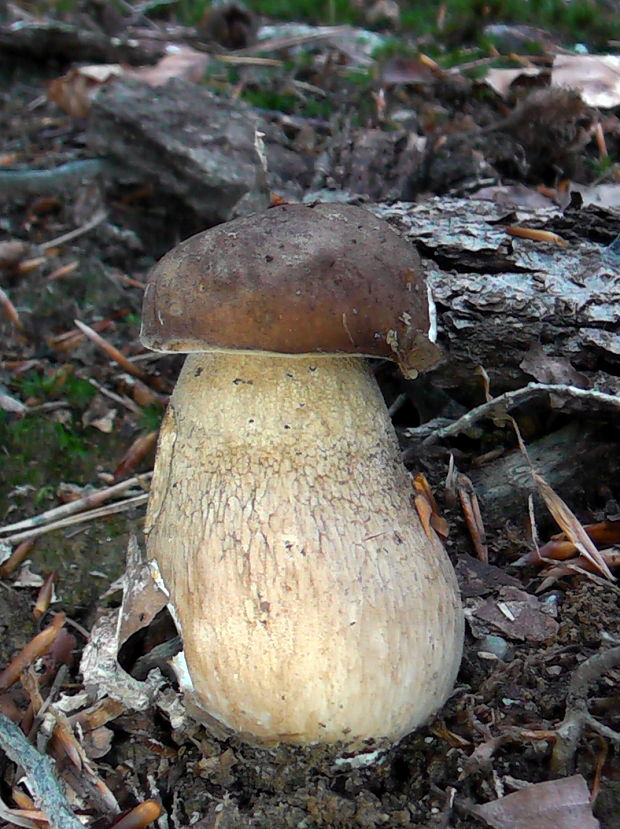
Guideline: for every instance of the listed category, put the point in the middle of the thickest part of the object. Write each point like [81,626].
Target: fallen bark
[195,146]
[498,296]
[54,39]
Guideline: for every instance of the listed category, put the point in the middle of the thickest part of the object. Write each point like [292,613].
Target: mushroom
[312,604]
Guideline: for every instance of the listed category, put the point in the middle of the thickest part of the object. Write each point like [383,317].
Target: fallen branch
[502,404]
[577,717]
[90,515]
[45,788]
[15,183]
[98,217]
[93,499]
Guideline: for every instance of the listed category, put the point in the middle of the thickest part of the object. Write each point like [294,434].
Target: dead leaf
[184,62]
[428,509]
[11,404]
[501,80]
[75,91]
[510,196]
[143,598]
[607,193]
[597,77]
[571,526]
[548,369]
[479,579]
[105,424]
[12,251]
[136,453]
[518,615]
[401,69]
[553,804]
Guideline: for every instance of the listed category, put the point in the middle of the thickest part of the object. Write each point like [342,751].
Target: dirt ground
[90,423]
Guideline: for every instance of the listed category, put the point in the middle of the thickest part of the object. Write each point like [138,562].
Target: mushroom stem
[312,605]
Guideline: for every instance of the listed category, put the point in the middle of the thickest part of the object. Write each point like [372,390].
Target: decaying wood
[498,296]
[573,460]
[195,146]
[525,311]
[55,39]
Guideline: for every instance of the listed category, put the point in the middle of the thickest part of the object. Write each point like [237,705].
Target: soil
[483,743]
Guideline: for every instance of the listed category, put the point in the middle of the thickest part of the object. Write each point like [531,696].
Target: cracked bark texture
[497,295]
[312,604]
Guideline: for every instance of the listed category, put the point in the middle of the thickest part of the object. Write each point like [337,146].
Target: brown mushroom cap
[297,279]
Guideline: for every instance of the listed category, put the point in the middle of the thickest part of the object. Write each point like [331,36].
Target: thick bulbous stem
[312,604]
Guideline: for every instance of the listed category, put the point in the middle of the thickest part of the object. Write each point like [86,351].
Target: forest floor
[77,417]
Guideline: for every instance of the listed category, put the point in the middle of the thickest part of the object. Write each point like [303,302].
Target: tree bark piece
[498,295]
[194,145]
[56,39]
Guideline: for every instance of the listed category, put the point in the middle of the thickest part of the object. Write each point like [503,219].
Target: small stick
[91,515]
[112,352]
[577,716]
[99,216]
[513,398]
[117,398]
[94,499]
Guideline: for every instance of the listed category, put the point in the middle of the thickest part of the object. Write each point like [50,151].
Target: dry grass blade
[98,217]
[536,235]
[19,554]
[571,526]
[112,353]
[38,645]
[10,311]
[601,145]
[143,815]
[473,517]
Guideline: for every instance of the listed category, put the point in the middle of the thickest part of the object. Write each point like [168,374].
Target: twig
[117,398]
[112,353]
[248,60]
[277,43]
[99,217]
[93,499]
[513,398]
[41,781]
[577,716]
[90,515]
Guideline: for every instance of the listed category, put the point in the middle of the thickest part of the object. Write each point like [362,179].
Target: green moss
[603,167]
[309,11]
[61,385]
[150,419]
[580,20]
[288,102]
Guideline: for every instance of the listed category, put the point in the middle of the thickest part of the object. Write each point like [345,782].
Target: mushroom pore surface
[312,604]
